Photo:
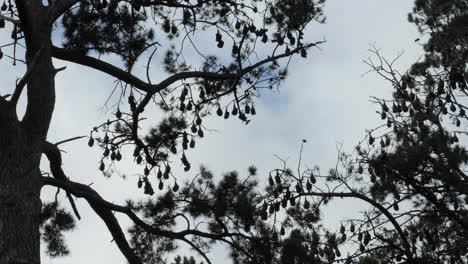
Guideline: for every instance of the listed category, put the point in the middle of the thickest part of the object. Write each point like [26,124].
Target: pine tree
[421,163]
[249,41]
[411,170]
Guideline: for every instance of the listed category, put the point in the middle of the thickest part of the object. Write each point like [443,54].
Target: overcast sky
[324,100]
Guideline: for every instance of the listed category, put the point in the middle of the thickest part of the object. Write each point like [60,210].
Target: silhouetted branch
[9,19]
[54,156]
[197,249]
[403,237]
[69,139]
[3,101]
[101,205]
[60,7]
[22,83]
[82,59]
[229,76]
[55,159]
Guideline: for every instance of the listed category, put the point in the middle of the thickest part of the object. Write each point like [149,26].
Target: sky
[324,100]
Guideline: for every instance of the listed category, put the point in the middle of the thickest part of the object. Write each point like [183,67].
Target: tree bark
[20,204]
[21,144]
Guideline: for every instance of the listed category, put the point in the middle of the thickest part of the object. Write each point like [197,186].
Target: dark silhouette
[409,171]
[253,39]
[416,163]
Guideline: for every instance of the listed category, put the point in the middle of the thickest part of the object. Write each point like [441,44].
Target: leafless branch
[22,83]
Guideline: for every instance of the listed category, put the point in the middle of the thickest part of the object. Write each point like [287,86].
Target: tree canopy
[410,171]
[260,37]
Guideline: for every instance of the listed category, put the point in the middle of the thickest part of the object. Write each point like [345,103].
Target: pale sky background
[324,100]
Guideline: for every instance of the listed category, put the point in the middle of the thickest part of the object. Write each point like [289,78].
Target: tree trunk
[21,144]
[20,204]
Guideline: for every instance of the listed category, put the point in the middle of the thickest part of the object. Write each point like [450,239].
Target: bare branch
[203,254]
[69,139]
[82,59]
[22,83]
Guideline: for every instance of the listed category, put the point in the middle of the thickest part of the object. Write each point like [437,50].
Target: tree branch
[54,156]
[203,254]
[3,102]
[69,139]
[101,205]
[27,76]
[404,239]
[60,7]
[9,19]
[55,159]
[82,59]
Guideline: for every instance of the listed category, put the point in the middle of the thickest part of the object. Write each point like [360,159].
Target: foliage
[421,159]
[54,221]
[201,79]
[410,172]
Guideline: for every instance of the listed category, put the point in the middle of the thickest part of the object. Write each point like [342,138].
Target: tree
[225,84]
[411,171]
[426,163]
